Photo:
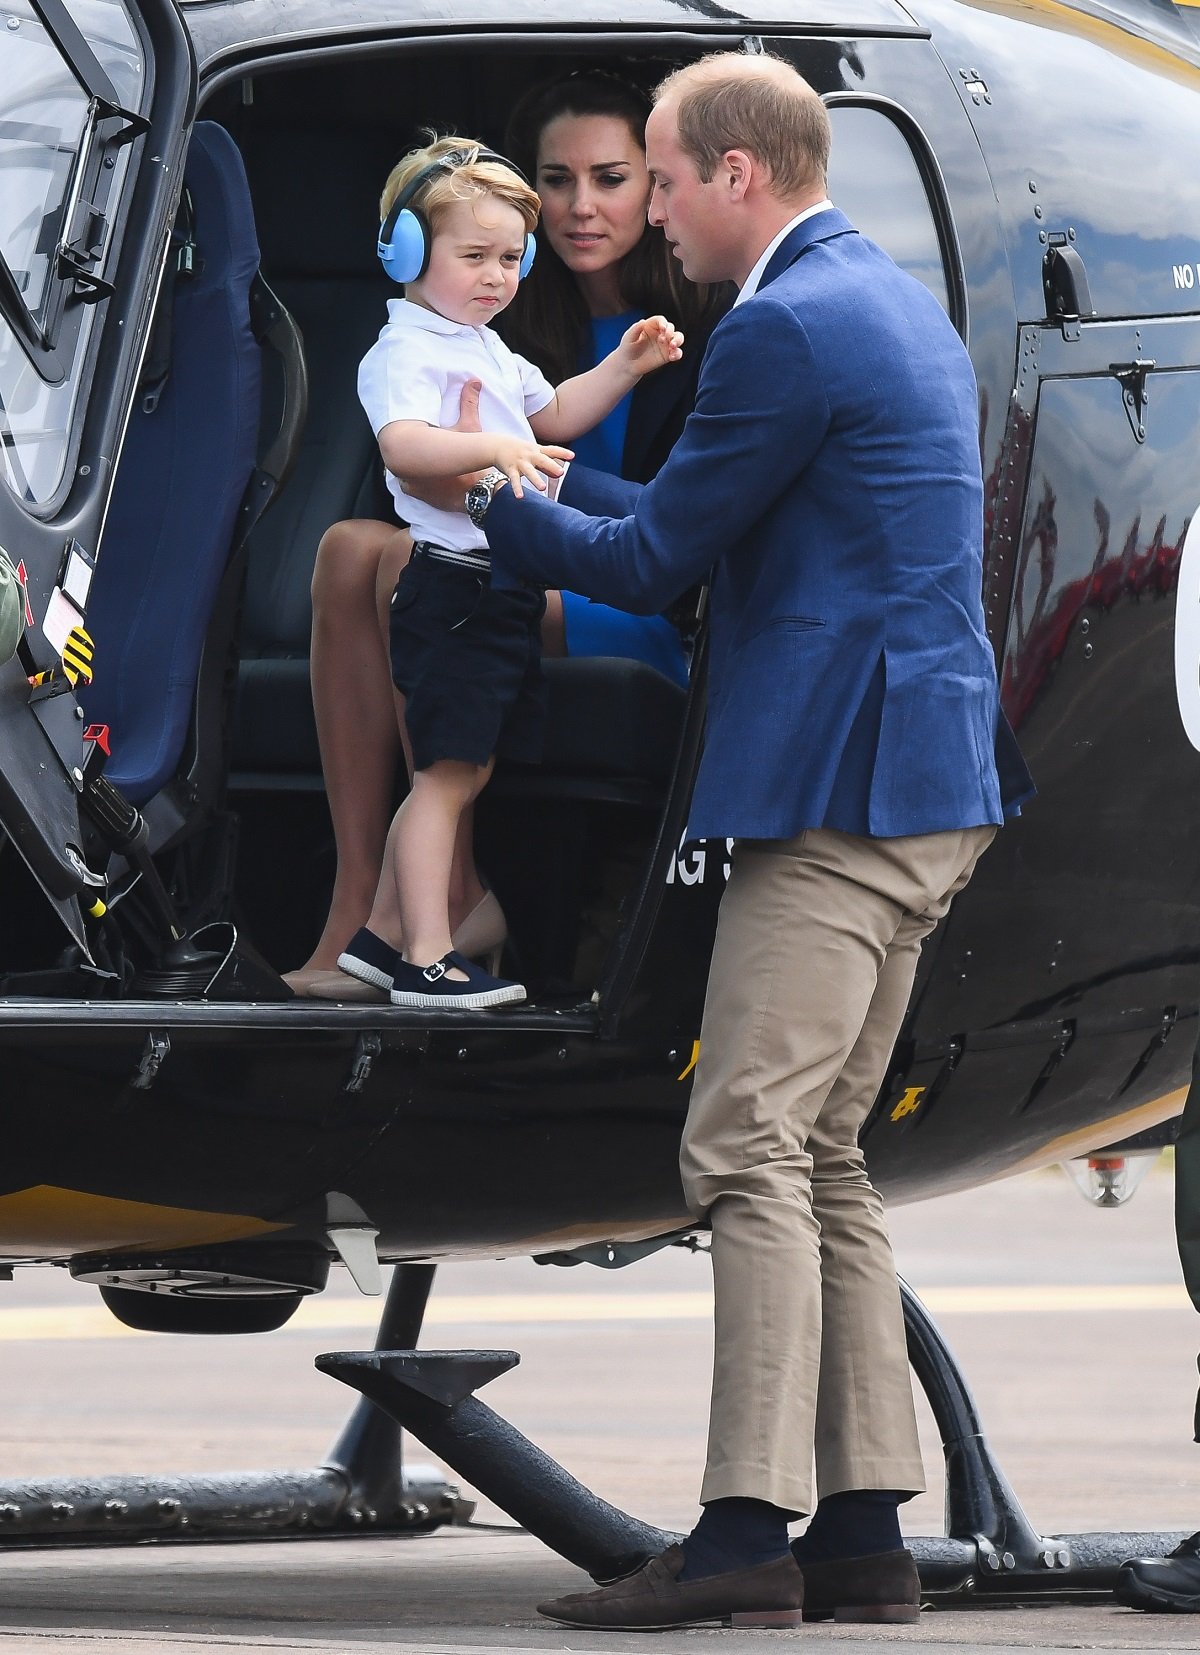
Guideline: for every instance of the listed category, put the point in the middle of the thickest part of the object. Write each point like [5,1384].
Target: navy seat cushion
[183,471]
[606,718]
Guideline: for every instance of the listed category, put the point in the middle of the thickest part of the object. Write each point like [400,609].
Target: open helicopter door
[96,98]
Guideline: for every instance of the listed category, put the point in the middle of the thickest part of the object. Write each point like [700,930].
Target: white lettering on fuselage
[695,858]
[1185,274]
[1187,634]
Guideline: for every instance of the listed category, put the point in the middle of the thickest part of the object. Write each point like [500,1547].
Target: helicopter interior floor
[563,844]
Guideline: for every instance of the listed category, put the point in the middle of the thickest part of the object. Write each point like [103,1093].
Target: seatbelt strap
[182,263]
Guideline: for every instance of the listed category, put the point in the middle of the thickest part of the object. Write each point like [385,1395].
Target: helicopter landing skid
[364,1486]
[991,1553]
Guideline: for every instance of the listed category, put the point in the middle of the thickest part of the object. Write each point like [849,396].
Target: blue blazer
[829,478]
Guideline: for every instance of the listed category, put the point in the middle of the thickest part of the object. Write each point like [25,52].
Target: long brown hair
[548,321]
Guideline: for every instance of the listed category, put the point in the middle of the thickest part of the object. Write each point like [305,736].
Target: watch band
[481,493]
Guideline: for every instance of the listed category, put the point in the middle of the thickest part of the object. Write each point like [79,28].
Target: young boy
[466,658]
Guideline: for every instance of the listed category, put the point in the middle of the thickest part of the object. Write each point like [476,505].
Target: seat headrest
[316,198]
[216,180]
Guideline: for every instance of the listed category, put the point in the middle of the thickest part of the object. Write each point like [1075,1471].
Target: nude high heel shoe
[483,933]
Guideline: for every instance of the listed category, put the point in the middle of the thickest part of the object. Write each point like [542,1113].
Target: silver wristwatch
[479,496]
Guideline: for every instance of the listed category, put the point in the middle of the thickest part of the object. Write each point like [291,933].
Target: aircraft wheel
[179,1313]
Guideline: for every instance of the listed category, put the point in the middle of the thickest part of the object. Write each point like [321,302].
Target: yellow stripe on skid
[47,1222]
[1087,1139]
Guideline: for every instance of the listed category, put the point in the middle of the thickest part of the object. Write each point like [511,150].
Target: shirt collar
[410,315]
[750,285]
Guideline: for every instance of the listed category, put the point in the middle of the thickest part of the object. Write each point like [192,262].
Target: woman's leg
[554,627]
[359,725]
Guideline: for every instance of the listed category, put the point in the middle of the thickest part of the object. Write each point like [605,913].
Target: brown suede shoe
[770,1594]
[884,1587]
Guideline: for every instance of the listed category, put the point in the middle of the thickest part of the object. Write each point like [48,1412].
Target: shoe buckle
[435,971]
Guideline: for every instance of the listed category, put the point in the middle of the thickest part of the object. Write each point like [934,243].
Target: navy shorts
[467,660]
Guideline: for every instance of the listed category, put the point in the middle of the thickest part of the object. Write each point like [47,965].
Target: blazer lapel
[820,227]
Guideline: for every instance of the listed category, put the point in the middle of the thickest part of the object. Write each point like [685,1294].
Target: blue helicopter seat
[188,456]
[324,269]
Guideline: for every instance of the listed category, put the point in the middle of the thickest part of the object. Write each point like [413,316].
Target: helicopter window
[878,181]
[64,85]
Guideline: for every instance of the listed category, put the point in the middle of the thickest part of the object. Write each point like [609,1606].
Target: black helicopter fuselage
[1056,1008]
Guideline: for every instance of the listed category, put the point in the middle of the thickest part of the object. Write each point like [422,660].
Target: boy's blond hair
[464,180]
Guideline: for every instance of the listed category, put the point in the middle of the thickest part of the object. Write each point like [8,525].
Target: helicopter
[187,282]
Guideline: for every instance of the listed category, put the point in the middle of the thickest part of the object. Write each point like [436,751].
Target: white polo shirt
[416,370]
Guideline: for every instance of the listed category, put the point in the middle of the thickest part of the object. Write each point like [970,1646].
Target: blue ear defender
[405,239]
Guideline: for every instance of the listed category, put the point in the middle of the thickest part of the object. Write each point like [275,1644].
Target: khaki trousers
[816,950]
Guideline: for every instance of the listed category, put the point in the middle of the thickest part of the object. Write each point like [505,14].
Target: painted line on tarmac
[93,1321]
[92,1642]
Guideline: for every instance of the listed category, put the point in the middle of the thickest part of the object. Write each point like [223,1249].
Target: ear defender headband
[405,238]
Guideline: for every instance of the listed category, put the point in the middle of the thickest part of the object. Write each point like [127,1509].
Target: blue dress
[594,628]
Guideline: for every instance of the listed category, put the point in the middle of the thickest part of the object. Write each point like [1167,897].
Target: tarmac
[455,1593]
[1071,1324]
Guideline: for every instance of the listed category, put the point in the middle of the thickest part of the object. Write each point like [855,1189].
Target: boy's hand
[521,459]
[650,344]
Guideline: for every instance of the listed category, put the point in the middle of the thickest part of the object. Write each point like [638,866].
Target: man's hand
[650,344]
[521,459]
[446,493]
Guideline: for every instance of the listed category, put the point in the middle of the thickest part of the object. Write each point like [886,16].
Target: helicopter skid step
[992,1554]
[365,1485]
[319,1503]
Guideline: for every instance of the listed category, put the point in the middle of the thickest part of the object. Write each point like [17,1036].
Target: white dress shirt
[750,285]
[416,370]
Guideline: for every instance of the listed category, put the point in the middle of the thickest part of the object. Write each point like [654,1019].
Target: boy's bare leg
[421,848]
[466,887]
[361,731]
[359,724]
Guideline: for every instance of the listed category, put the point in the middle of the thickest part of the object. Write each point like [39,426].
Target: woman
[599,266]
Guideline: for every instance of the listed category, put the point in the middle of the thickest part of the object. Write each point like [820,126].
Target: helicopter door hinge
[155,1053]
[84,246]
[366,1049]
[1132,377]
[1064,279]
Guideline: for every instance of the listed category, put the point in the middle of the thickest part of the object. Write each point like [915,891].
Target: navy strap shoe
[369,958]
[430,986]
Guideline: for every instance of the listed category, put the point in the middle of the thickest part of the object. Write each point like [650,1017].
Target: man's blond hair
[468,179]
[729,100]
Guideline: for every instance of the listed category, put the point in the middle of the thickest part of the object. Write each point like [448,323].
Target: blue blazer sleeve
[760,416]
[598,493]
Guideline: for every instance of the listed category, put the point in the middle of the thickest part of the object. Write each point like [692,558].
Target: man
[830,480]
[1171,1585]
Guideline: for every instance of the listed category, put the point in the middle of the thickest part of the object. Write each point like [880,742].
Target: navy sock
[857,1523]
[734,1534]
